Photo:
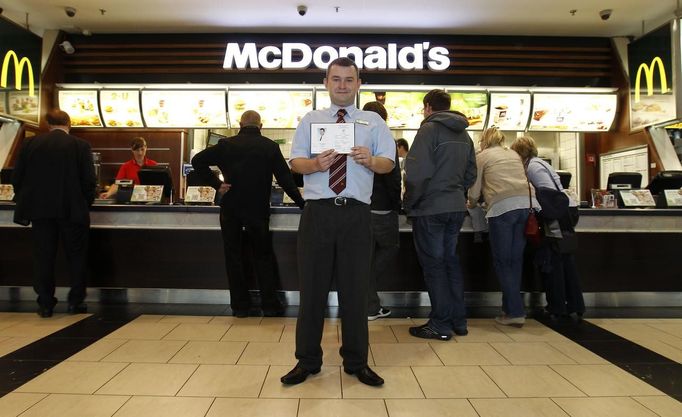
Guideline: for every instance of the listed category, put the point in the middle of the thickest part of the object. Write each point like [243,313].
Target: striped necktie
[337,171]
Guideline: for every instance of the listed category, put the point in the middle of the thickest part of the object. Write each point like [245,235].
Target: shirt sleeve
[122,173]
[385,144]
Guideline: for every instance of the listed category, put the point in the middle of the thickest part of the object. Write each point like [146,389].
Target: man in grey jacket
[440,167]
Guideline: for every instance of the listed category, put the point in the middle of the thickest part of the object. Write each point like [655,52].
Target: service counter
[625,256]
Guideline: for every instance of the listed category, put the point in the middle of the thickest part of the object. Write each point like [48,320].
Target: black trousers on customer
[260,242]
[75,238]
[333,241]
[385,248]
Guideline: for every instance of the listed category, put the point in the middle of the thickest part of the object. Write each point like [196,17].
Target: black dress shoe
[44,312]
[297,375]
[367,376]
[277,312]
[79,308]
[240,313]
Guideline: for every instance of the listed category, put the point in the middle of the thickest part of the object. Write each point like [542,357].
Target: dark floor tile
[51,349]
[624,352]
[14,374]
[582,330]
[665,377]
[91,327]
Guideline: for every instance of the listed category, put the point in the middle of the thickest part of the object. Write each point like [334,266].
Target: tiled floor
[214,366]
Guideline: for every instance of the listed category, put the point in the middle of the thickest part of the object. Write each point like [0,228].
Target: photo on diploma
[337,136]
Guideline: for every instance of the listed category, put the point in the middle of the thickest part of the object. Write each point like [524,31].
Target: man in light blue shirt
[334,236]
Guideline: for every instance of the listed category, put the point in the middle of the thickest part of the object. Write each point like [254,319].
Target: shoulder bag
[553,201]
[532,231]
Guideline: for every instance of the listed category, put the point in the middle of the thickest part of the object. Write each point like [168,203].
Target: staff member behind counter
[130,169]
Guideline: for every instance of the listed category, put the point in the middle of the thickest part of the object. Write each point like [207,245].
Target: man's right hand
[325,159]
[224,187]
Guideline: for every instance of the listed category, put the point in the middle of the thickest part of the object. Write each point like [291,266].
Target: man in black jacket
[54,182]
[247,162]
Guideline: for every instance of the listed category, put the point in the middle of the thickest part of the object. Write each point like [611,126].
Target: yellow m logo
[649,77]
[18,72]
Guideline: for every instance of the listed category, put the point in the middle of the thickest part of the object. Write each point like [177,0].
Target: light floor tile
[531,353]
[483,333]
[238,407]
[197,331]
[674,343]
[149,351]
[326,384]
[663,406]
[663,348]
[535,381]
[10,344]
[330,333]
[98,350]
[431,408]
[142,330]
[399,383]
[73,378]
[60,405]
[404,354]
[605,380]
[382,334]
[468,354]
[186,319]
[578,353]
[35,329]
[209,353]
[244,321]
[342,408]
[247,333]
[149,379]
[14,403]
[243,381]
[637,332]
[165,407]
[674,329]
[456,382]
[149,318]
[603,407]
[269,353]
[517,407]
[391,322]
[287,321]
[532,332]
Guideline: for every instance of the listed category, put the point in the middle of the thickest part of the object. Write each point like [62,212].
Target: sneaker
[426,332]
[511,321]
[383,312]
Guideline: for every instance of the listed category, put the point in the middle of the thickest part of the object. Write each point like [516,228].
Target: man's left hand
[361,155]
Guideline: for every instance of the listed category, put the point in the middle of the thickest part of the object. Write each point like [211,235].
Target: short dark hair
[438,100]
[137,143]
[343,62]
[402,143]
[56,117]
[377,108]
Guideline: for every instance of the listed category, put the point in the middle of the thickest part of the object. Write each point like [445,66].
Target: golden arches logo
[18,72]
[649,77]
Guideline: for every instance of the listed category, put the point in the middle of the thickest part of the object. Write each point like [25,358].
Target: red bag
[532,231]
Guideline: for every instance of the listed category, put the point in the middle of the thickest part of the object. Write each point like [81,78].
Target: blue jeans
[435,239]
[507,242]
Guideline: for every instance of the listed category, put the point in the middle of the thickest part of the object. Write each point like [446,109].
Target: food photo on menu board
[404,108]
[121,108]
[474,105]
[23,106]
[648,110]
[322,99]
[509,111]
[278,109]
[3,99]
[82,107]
[184,108]
[573,112]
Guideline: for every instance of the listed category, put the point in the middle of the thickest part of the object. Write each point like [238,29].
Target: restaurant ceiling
[489,17]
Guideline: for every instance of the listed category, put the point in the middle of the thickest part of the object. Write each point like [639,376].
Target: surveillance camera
[605,14]
[67,47]
[302,10]
[70,11]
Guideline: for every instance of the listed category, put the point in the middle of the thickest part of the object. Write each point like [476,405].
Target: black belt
[339,201]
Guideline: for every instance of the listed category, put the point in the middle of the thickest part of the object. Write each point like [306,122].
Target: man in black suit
[54,184]
[248,162]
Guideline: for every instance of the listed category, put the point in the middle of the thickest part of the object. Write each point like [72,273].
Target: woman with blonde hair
[554,257]
[502,182]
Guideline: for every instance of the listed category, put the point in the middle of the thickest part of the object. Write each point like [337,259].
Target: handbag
[553,201]
[532,230]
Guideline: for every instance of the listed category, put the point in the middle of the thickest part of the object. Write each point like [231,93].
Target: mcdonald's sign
[19,65]
[648,71]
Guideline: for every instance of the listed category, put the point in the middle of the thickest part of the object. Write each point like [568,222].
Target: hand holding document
[339,137]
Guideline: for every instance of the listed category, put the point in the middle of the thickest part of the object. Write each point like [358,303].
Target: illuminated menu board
[474,105]
[404,108]
[121,108]
[278,109]
[22,106]
[3,102]
[322,99]
[82,106]
[509,111]
[184,108]
[573,112]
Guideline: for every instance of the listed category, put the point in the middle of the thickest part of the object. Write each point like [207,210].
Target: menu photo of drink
[184,108]
[121,108]
[82,106]
[509,111]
